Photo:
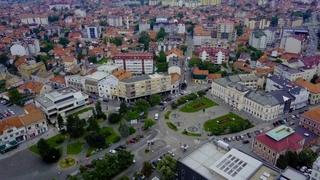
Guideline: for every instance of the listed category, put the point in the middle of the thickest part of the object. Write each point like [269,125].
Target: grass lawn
[83,110]
[191,133]
[229,123]
[172,126]
[110,135]
[74,148]
[197,105]
[54,141]
[67,162]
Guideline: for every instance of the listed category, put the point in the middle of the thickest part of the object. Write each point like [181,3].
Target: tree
[282,162]
[48,154]
[92,59]
[161,34]
[314,79]
[125,159]
[116,41]
[183,48]
[124,129]
[96,140]
[154,99]
[64,41]
[15,97]
[53,18]
[4,59]
[114,118]
[60,122]
[141,105]
[148,123]
[161,57]
[180,15]
[167,167]
[75,126]
[306,158]
[100,114]
[274,21]
[146,169]
[194,62]
[144,39]
[93,125]
[123,108]
[239,28]
[47,46]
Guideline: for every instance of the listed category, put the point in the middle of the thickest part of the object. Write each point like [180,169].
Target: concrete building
[23,127]
[175,65]
[293,74]
[61,101]
[315,174]
[212,162]
[93,32]
[258,40]
[135,62]
[141,86]
[262,106]
[28,46]
[201,36]
[31,67]
[291,44]
[34,19]
[311,120]
[270,145]
[115,21]
[214,55]
[107,87]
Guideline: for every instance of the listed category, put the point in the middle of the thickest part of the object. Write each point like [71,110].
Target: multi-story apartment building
[23,127]
[107,87]
[314,90]
[258,40]
[141,86]
[270,145]
[61,101]
[135,62]
[34,19]
[311,120]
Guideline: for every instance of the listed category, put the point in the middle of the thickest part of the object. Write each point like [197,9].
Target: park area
[227,124]
[198,104]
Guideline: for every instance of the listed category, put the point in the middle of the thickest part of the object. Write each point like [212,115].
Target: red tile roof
[290,143]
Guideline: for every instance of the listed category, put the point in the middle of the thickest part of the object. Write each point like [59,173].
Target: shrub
[172,126]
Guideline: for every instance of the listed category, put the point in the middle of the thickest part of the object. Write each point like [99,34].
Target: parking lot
[8,110]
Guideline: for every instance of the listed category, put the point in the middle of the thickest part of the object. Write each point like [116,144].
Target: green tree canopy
[154,99]
[144,39]
[75,126]
[15,97]
[64,41]
[124,128]
[96,140]
[141,105]
[114,118]
[161,34]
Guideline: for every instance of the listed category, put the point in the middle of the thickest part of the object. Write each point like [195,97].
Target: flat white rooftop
[201,159]
[236,165]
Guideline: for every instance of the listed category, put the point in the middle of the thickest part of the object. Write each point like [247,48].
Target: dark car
[245,142]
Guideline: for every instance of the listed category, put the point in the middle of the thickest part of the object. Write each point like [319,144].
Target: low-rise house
[292,74]
[27,67]
[199,75]
[23,127]
[57,82]
[34,87]
[270,145]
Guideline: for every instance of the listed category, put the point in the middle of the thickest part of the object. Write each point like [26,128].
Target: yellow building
[141,86]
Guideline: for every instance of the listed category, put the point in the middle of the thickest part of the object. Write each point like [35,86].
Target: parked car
[245,141]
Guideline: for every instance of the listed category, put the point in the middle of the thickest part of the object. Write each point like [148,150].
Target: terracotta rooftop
[313,88]
[313,114]
[32,86]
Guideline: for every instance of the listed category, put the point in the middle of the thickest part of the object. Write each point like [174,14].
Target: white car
[156,116]
[112,151]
